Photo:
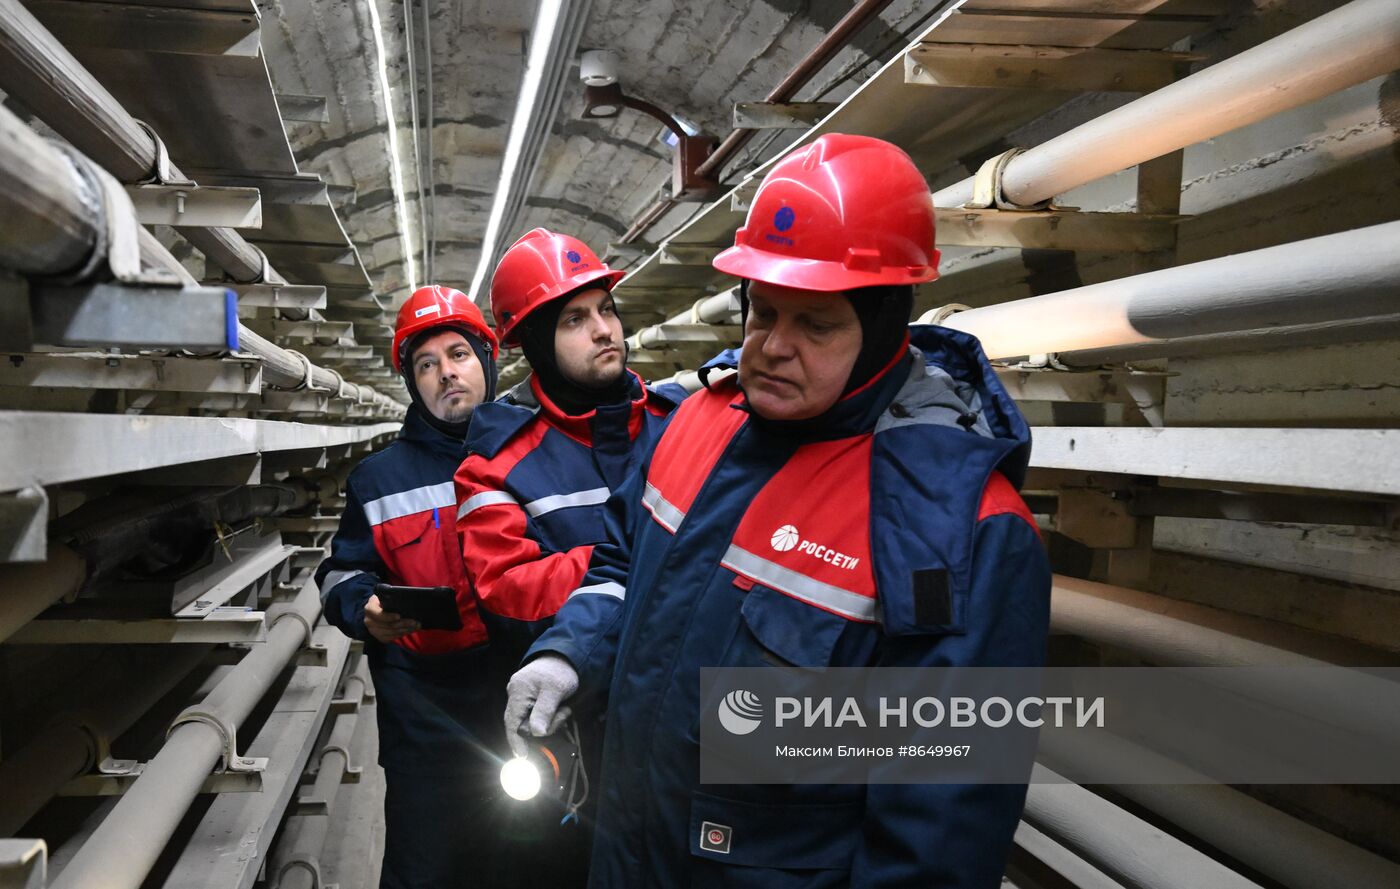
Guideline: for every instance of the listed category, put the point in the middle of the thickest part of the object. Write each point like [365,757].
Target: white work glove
[534,694]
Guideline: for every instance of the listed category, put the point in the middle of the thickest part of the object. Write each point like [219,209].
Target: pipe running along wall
[50,249]
[42,74]
[1291,284]
[124,848]
[1347,46]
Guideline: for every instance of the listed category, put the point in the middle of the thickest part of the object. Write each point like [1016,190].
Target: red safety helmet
[539,267]
[438,306]
[844,212]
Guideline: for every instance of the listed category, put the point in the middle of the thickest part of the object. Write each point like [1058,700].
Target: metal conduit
[1291,284]
[1276,844]
[295,864]
[35,773]
[124,848]
[1347,46]
[44,75]
[1119,843]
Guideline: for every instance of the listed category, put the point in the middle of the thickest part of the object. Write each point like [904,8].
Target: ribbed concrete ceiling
[595,177]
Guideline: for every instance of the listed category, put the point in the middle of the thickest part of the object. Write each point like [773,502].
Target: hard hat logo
[867,220]
[540,267]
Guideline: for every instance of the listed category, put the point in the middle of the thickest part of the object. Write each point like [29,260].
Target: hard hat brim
[743,261]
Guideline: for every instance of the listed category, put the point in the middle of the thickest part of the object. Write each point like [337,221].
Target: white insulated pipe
[1119,843]
[1353,274]
[1274,843]
[129,841]
[1347,46]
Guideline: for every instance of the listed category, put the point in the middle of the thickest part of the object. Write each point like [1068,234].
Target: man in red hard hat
[544,459]
[436,698]
[848,500]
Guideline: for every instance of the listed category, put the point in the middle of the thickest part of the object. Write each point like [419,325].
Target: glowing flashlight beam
[520,779]
[395,172]
[547,22]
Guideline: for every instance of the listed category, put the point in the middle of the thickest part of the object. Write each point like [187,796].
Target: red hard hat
[539,267]
[844,212]
[438,306]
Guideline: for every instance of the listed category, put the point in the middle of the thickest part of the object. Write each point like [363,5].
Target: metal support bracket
[199,206]
[1056,229]
[986,185]
[24,522]
[112,315]
[780,115]
[24,864]
[1042,67]
[310,865]
[280,296]
[229,761]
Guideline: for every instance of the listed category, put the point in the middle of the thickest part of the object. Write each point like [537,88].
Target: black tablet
[434,607]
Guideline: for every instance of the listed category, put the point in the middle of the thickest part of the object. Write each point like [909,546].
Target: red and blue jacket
[530,498]
[398,528]
[438,691]
[889,532]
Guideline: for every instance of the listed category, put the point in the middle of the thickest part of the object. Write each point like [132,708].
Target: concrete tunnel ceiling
[595,177]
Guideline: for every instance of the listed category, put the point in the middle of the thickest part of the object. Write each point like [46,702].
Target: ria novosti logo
[740,712]
[787,538]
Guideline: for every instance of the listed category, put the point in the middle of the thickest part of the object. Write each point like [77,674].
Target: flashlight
[551,765]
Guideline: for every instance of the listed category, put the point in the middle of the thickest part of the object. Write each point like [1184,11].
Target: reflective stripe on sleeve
[661,509]
[799,586]
[616,590]
[485,498]
[335,579]
[409,502]
[591,497]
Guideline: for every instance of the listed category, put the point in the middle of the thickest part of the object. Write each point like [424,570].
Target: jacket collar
[419,431]
[580,427]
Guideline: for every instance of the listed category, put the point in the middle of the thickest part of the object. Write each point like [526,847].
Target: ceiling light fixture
[547,23]
[395,172]
[603,98]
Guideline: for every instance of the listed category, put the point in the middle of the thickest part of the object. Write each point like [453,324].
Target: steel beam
[1360,460]
[1055,230]
[689,254]
[99,445]
[208,205]
[780,115]
[142,373]
[305,109]
[280,296]
[304,331]
[219,625]
[149,28]
[1073,69]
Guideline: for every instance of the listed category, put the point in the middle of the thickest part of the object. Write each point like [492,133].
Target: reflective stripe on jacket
[398,527]
[530,498]
[889,535]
